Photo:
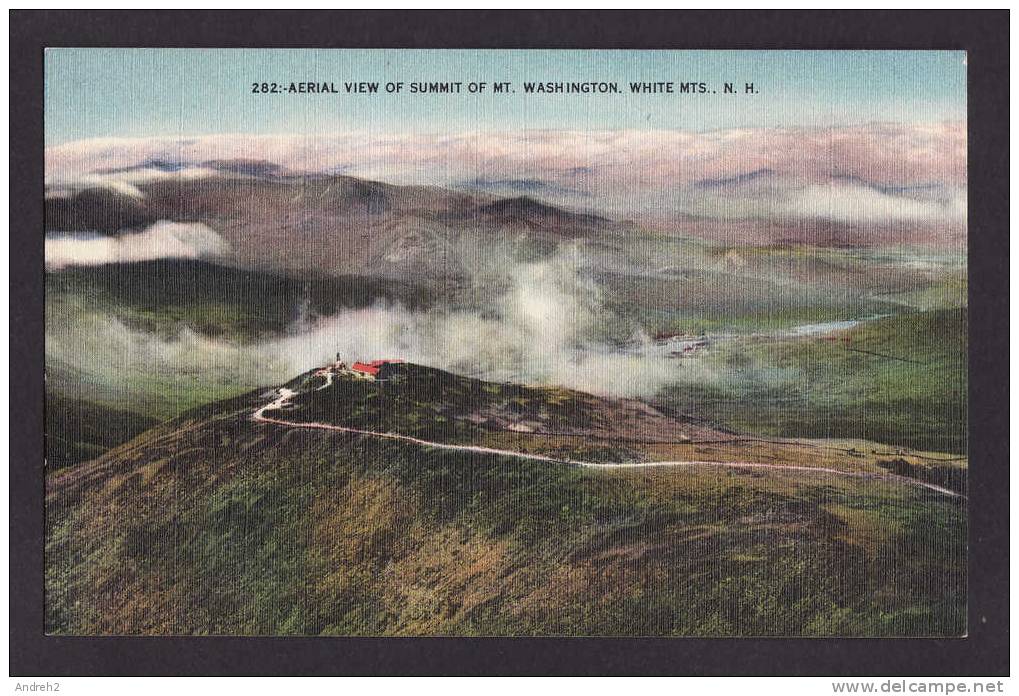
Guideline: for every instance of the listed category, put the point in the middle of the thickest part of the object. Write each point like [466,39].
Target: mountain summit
[432,503]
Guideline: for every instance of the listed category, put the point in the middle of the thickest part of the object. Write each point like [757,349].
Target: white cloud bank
[163,240]
[63,184]
[860,204]
[844,201]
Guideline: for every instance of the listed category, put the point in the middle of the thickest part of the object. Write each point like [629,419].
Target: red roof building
[365,369]
[376,369]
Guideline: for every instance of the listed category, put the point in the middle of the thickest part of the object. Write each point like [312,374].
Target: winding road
[285,395]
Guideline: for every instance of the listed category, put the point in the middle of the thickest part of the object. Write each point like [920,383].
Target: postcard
[527,343]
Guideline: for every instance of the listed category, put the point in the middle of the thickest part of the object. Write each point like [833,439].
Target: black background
[983,33]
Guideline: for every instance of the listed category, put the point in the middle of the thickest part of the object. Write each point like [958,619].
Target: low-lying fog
[548,324]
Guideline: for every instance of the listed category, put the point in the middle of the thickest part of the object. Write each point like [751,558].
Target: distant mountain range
[342,223]
[333,224]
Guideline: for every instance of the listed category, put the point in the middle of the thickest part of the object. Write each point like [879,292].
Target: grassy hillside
[78,430]
[672,283]
[900,380]
[215,524]
[166,296]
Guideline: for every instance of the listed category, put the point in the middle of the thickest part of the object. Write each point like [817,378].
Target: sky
[103,93]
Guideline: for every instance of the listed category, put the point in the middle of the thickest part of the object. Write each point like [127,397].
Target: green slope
[215,524]
[900,380]
[78,430]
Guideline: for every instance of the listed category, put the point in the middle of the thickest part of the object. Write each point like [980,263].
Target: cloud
[838,201]
[163,240]
[111,359]
[63,184]
[545,324]
[549,326]
[861,204]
